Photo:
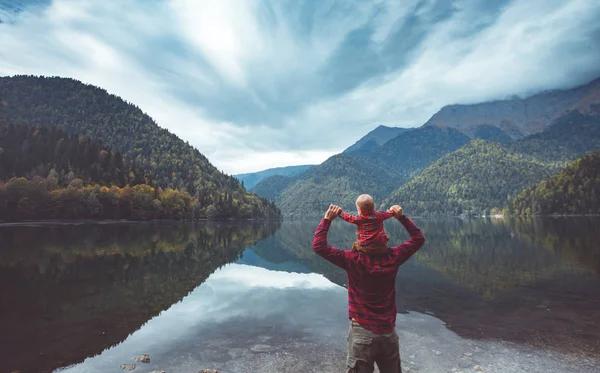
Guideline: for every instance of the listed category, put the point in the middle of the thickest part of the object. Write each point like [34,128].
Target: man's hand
[333,212]
[397,210]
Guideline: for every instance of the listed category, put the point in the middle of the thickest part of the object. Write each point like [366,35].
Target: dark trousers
[366,348]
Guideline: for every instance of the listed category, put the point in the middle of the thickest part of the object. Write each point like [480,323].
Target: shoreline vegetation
[41,199]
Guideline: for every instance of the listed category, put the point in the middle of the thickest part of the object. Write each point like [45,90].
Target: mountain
[51,174]
[340,179]
[272,187]
[107,119]
[473,179]
[251,179]
[30,152]
[568,138]
[409,153]
[436,169]
[482,175]
[374,139]
[575,190]
[518,117]
[345,176]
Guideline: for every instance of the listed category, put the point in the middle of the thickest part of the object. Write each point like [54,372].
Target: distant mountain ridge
[483,176]
[374,139]
[341,178]
[272,187]
[518,117]
[437,169]
[252,178]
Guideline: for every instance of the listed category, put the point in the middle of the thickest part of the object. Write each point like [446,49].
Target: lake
[507,295]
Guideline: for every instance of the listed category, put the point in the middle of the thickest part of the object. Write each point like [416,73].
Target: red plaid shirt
[370,227]
[371,277]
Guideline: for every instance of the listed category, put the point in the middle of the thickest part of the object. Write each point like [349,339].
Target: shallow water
[507,295]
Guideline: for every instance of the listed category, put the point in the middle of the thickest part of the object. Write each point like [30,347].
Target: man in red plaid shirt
[372,336]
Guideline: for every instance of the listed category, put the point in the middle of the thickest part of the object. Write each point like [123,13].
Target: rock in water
[128,367]
[144,358]
[209,371]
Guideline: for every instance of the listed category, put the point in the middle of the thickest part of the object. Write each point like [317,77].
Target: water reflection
[68,292]
[239,315]
[526,280]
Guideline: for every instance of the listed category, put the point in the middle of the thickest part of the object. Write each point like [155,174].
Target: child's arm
[349,218]
[384,215]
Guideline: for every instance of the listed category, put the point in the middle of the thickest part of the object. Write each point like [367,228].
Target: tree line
[51,174]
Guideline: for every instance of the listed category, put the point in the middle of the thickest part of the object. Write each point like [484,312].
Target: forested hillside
[272,187]
[51,174]
[475,179]
[340,179]
[107,119]
[569,137]
[409,153]
[483,176]
[38,151]
[575,190]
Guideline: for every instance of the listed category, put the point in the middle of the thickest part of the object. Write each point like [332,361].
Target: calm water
[509,295]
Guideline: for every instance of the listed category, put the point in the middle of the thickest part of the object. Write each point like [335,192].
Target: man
[372,336]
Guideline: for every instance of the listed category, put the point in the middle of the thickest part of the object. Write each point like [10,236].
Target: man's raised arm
[407,249]
[320,245]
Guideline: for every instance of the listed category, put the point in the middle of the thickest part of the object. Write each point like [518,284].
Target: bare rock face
[518,117]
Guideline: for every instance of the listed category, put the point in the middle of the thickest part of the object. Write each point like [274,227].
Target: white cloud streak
[256,84]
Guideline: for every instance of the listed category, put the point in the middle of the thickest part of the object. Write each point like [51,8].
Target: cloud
[258,83]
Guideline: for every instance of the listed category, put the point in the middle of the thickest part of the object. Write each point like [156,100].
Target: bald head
[365,204]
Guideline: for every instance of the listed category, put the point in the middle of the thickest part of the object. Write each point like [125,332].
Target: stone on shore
[144,358]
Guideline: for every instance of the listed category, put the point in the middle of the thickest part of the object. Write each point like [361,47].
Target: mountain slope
[457,183]
[409,153]
[374,139]
[568,138]
[518,117]
[575,190]
[474,179]
[92,112]
[339,180]
[32,151]
[50,174]
[272,187]
[253,178]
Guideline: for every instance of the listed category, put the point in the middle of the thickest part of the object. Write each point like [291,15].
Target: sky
[255,84]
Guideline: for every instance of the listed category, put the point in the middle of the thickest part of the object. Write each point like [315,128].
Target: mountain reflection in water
[524,280]
[70,292]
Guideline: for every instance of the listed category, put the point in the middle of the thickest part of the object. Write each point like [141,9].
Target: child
[369,224]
